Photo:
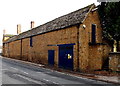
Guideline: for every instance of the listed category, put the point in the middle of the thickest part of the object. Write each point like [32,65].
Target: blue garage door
[51,57]
[66,56]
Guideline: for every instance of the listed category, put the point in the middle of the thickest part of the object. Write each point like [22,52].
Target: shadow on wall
[0,51]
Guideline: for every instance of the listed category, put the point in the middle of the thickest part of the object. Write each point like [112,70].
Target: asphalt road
[18,73]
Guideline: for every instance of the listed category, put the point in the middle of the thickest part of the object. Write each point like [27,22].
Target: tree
[110,19]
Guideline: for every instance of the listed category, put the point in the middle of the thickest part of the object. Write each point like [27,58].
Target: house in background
[6,37]
[73,41]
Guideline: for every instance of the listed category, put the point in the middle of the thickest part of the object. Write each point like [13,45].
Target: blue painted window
[31,42]
[93,33]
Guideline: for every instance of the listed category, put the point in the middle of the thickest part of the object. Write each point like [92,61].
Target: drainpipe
[8,50]
[21,50]
[78,26]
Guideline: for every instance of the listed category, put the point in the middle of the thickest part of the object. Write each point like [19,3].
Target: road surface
[16,72]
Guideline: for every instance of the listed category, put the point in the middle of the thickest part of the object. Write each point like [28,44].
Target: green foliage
[9,35]
[110,19]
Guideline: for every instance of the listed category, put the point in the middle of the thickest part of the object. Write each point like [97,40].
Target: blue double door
[51,54]
[66,56]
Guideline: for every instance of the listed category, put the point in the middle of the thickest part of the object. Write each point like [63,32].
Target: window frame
[31,41]
[93,33]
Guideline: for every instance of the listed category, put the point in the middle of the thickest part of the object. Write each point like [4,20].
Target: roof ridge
[66,14]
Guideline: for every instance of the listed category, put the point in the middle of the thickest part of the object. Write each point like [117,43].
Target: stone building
[73,41]
[6,36]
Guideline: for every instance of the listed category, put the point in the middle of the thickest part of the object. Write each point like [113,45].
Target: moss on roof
[8,35]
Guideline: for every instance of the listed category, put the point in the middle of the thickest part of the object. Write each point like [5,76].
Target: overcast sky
[13,12]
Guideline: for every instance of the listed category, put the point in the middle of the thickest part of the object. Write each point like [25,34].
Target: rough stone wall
[85,39]
[39,51]
[91,56]
[114,61]
[5,50]
[83,47]
[95,57]
[95,51]
[25,49]
[15,49]
[106,50]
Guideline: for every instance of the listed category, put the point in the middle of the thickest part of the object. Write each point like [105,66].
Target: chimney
[18,29]
[4,32]
[32,24]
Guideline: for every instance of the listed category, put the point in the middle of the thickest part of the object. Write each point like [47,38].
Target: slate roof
[70,19]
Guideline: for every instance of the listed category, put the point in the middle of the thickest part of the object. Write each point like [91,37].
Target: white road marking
[57,83]
[19,70]
[51,81]
[25,72]
[29,79]
[14,68]
[46,80]
[68,74]
[40,65]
